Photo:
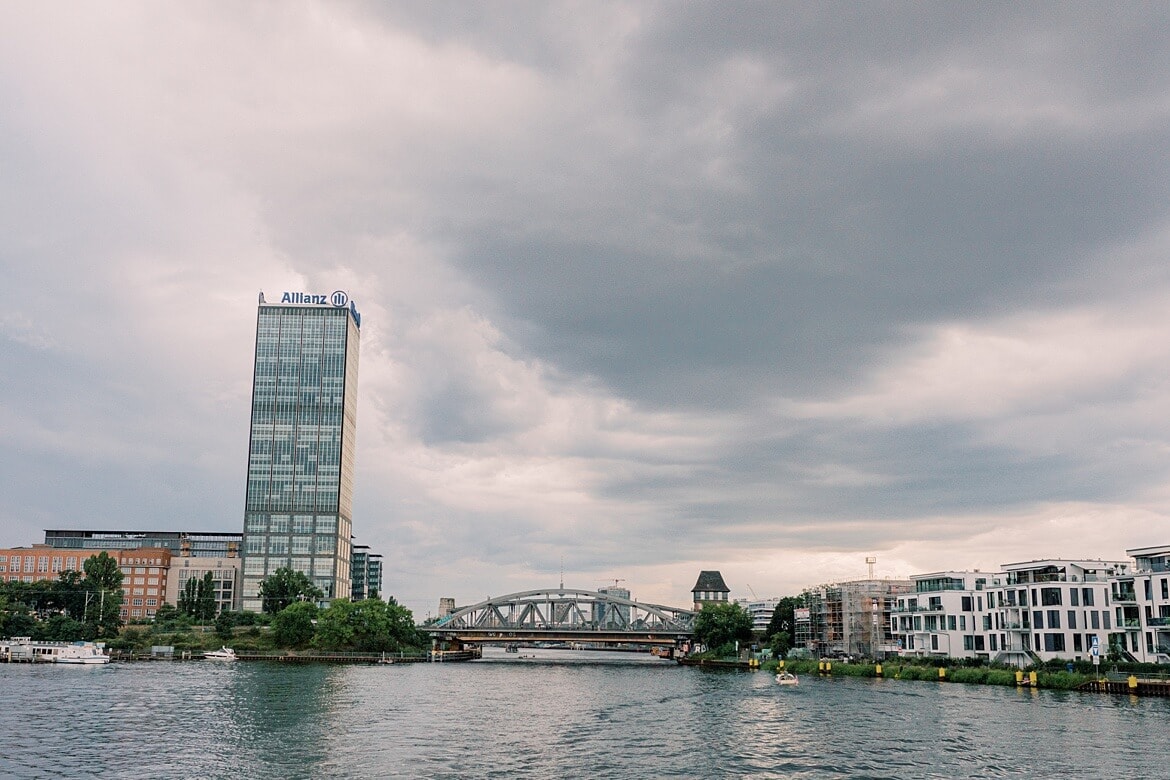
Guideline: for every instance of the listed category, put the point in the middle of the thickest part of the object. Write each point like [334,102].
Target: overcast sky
[647,288]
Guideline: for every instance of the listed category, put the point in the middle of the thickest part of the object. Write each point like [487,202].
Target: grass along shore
[977,675]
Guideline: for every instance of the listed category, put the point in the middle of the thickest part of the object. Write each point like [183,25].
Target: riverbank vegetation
[1054,675]
[76,607]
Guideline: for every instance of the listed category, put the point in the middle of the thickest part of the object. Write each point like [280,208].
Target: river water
[558,715]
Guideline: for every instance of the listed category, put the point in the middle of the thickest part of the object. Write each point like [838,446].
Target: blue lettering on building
[338,299]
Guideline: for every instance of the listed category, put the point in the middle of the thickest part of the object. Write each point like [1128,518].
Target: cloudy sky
[647,288]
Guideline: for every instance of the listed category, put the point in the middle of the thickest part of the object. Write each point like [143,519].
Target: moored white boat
[787,678]
[222,654]
[80,653]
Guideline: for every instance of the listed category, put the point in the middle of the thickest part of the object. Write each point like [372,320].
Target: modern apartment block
[366,572]
[1026,613]
[1141,601]
[942,615]
[298,508]
[761,611]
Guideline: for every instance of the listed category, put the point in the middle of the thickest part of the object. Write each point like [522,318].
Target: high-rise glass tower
[300,455]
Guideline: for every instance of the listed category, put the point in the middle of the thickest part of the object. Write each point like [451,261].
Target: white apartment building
[1040,610]
[761,611]
[1051,609]
[944,615]
[1141,603]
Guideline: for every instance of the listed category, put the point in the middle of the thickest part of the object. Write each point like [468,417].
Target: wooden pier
[1136,686]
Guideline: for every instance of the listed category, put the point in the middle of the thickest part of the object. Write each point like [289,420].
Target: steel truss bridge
[563,615]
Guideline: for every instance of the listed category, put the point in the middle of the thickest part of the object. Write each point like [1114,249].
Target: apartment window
[1077,647]
[152,602]
[1072,619]
[1038,619]
[1094,619]
[1074,597]
[1087,596]
[1165,588]
[1105,621]
[966,603]
[1050,597]
[136,602]
[951,622]
[71,564]
[1054,643]
[933,642]
[968,642]
[991,643]
[979,602]
[962,622]
[1053,618]
[1149,590]
[979,646]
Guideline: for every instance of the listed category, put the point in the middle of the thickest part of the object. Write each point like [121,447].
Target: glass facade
[301,448]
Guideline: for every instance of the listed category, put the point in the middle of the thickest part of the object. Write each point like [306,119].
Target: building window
[1038,620]
[1165,588]
[1087,596]
[1050,597]
[1053,618]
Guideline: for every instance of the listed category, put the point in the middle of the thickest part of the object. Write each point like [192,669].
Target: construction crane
[614,580]
[754,596]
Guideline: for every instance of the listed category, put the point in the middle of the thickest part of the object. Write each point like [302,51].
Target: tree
[718,625]
[62,628]
[71,586]
[285,586]
[293,625]
[782,627]
[224,623]
[205,599]
[189,597]
[368,626]
[103,583]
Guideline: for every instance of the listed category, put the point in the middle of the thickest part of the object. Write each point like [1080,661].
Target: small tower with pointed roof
[710,589]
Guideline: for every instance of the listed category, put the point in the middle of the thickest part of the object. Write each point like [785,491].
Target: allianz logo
[338,298]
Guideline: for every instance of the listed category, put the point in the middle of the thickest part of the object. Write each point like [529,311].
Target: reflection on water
[562,714]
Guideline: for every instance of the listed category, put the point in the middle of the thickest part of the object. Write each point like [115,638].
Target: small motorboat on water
[222,654]
[787,678]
